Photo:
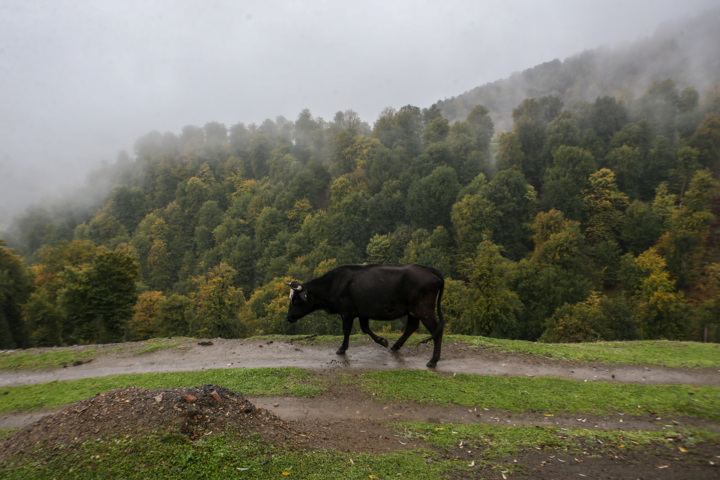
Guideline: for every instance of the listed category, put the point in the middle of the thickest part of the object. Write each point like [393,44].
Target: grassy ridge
[547,394]
[650,352]
[34,361]
[247,381]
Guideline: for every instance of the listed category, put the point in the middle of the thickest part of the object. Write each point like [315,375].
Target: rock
[158,398]
[215,395]
[189,398]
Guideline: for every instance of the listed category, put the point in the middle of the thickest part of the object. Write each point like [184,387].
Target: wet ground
[362,355]
[346,418]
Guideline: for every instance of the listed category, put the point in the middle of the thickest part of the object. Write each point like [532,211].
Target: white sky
[81,80]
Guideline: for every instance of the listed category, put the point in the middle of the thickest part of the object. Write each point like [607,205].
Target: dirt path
[346,418]
[339,403]
[365,355]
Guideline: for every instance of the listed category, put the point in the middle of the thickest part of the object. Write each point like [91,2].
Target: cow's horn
[290,284]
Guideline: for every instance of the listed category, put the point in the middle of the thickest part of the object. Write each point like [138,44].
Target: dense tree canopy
[590,221]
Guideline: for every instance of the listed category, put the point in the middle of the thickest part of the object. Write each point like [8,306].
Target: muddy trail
[362,355]
[348,419]
[331,422]
[340,402]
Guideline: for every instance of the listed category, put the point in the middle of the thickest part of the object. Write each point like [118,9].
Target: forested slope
[592,222]
[684,50]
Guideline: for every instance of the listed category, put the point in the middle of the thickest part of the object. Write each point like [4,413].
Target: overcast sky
[81,80]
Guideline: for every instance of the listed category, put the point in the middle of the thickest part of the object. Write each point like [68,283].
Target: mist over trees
[588,217]
[684,50]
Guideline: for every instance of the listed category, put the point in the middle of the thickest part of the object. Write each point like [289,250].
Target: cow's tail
[441,320]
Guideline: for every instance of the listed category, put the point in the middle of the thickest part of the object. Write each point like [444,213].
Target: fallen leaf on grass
[471,464]
[663,466]
[682,449]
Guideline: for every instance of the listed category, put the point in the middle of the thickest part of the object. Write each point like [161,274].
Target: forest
[594,221]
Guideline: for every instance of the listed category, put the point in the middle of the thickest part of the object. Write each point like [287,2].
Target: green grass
[33,360]
[497,442]
[546,394]
[247,381]
[231,455]
[4,433]
[218,456]
[655,352]
[156,344]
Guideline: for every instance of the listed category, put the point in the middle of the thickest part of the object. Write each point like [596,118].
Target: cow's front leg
[347,330]
[411,327]
[365,326]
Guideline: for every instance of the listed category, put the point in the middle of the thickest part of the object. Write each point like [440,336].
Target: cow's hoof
[432,364]
[394,348]
[341,351]
[384,342]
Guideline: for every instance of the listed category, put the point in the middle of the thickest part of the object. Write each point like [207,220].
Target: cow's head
[301,302]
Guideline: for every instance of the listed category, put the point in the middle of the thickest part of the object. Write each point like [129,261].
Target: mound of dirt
[135,412]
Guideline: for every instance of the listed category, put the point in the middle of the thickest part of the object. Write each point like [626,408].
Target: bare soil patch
[193,412]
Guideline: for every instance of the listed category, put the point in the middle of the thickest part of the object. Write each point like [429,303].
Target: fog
[82,80]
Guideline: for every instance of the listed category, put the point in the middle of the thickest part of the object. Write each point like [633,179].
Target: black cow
[377,292]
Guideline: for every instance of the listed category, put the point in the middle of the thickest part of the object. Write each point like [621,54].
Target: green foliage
[566,179]
[215,217]
[688,229]
[216,304]
[14,290]
[97,301]
[592,320]
[491,308]
[603,205]
[429,201]
[641,227]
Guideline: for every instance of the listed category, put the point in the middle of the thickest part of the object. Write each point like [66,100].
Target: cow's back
[384,292]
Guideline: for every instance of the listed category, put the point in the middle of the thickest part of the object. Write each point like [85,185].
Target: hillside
[596,220]
[685,51]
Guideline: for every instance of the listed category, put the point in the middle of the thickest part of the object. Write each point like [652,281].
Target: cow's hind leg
[365,326]
[347,330]
[431,324]
[410,327]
